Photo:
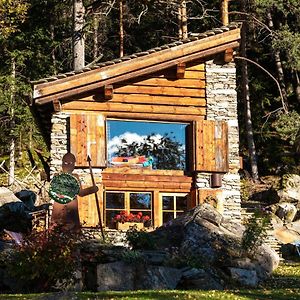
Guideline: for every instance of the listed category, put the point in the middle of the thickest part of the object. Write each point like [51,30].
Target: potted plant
[125,220]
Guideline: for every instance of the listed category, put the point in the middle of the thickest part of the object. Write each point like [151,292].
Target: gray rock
[244,277]
[196,279]
[119,276]
[157,278]
[116,276]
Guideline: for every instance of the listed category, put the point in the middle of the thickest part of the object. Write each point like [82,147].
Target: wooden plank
[147,184]
[183,83]
[140,171]
[195,66]
[146,116]
[148,99]
[211,146]
[156,178]
[140,62]
[157,209]
[171,75]
[160,90]
[88,139]
[118,77]
[137,108]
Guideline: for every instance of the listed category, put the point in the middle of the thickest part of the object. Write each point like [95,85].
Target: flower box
[127,225]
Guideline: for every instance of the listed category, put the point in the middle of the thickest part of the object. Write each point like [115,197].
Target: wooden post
[224,10]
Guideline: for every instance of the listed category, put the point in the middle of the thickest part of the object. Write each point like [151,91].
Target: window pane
[168,202]
[110,214]
[168,216]
[181,202]
[152,145]
[115,200]
[140,201]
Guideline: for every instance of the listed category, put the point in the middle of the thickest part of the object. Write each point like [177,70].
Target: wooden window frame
[127,202]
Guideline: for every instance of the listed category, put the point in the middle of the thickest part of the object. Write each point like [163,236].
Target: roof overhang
[64,88]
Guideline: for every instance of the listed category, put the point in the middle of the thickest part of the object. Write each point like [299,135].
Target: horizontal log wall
[159,94]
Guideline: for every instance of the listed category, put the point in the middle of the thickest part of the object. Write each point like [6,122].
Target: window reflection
[153,145]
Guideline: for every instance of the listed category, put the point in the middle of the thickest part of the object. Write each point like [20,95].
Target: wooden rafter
[228,55]
[108,92]
[180,70]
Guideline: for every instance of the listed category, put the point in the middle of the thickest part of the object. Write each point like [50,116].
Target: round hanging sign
[64,188]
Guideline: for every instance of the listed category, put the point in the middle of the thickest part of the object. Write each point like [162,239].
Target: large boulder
[202,234]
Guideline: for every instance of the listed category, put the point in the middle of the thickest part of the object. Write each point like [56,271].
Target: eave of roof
[72,83]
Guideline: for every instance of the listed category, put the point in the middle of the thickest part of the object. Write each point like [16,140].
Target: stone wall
[59,141]
[222,105]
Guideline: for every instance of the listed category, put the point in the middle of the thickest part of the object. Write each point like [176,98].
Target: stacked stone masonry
[221,98]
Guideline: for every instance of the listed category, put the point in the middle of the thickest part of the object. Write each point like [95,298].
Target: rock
[198,279]
[291,188]
[157,278]
[154,257]
[286,211]
[116,276]
[266,260]
[244,277]
[119,276]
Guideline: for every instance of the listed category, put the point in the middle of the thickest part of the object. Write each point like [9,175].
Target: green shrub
[256,230]
[44,259]
[140,239]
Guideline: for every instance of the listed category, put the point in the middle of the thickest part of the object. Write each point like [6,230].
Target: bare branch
[262,68]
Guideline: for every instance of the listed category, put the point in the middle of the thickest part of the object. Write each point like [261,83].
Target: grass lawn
[284,285]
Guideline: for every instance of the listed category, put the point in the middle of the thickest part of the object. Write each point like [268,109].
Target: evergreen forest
[37,41]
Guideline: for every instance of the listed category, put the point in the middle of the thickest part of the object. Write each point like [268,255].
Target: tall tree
[78,35]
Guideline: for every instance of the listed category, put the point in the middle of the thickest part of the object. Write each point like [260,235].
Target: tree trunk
[182,20]
[247,104]
[95,36]
[11,177]
[297,88]
[278,64]
[121,28]
[78,35]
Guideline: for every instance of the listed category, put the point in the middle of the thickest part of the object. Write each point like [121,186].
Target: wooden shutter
[211,146]
[88,137]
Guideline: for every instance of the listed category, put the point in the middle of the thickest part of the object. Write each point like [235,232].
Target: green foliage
[140,239]
[12,13]
[245,189]
[255,230]
[287,126]
[44,259]
[132,257]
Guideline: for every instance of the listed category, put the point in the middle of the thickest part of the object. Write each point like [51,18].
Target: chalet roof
[50,90]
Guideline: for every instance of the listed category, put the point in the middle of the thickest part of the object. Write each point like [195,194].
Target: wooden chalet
[189,87]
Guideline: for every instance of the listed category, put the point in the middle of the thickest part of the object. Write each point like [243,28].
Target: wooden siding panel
[134,108]
[88,138]
[211,146]
[160,91]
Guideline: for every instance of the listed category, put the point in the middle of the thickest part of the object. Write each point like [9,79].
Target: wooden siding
[146,182]
[157,94]
[88,137]
[211,146]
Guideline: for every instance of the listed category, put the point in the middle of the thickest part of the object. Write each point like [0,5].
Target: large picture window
[154,145]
